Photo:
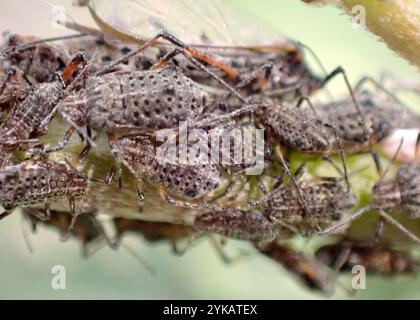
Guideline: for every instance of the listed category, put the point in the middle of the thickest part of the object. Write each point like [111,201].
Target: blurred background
[199,274]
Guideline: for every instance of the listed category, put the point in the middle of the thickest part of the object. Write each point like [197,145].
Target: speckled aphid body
[248,225]
[39,63]
[144,100]
[380,115]
[295,128]
[24,123]
[36,181]
[326,201]
[138,154]
[401,193]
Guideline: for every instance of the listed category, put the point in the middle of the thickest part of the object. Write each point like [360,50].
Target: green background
[199,274]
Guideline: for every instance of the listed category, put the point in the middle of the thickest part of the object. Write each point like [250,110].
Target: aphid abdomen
[240,224]
[33,182]
[144,99]
[293,128]
[41,61]
[325,202]
[30,114]
[189,181]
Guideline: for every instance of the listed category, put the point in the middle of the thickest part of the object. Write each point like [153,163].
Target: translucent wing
[199,22]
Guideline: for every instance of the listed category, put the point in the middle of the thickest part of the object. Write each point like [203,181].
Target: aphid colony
[129,94]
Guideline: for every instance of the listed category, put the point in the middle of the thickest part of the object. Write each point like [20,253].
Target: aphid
[142,100]
[85,229]
[311,272]
[253,226]
[380,115]
[37,59]
[250,225]
[294,128]
[138,154]
[272,67]
[153,232]
[326,200]
[33,182]
[376,258]
[13,90]
[28,119]
[401,193]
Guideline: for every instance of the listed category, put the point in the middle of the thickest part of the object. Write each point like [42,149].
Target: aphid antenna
[6,53]
[379,86]
[195,57]
[317,60]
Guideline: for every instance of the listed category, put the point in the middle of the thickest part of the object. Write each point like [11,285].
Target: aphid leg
[59,146]
[83,155]
[169,56]
[214,121]
[262,74]
[338,264]
[74,215]
[337,71]
[382,174]
[379,230]
[218,247]
[181,251]
[113,243]
[344,223]
[333,74]
[399,226]
[197,58]
[4,214]
[288,226]
[139,185]
[116,170]
[416,149]
[185,204]
[285,166]
[11,72]
[378,85]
